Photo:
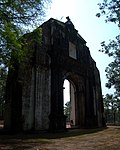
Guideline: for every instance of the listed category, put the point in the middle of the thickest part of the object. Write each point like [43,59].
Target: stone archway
[63,54]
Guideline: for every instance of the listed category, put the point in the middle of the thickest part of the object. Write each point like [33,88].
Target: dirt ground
[92,139]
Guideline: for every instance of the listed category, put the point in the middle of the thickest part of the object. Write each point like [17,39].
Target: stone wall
[63,54]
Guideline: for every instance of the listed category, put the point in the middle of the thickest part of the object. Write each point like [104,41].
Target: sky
[94,30]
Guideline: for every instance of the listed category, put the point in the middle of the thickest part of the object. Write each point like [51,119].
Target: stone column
[81,108]
[57,117]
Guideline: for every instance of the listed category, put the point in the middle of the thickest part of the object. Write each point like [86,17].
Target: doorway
[69,103]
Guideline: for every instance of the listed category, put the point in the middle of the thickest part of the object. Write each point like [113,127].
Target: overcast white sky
[83,15]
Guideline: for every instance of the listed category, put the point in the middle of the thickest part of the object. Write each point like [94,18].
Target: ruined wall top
[68,25]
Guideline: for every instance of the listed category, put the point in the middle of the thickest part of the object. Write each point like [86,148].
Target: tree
[112,108]
[67,110]
[16,18]
[111,9]
[3,76]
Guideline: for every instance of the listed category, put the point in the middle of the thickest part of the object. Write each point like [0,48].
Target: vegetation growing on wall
[17,17]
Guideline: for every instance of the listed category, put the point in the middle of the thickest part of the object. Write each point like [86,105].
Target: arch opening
[69,103]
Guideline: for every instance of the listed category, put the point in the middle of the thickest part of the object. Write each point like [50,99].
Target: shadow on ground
[25,141]
[48,135]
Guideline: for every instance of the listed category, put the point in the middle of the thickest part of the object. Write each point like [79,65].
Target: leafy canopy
[17,16]
[112,109]
[111,10]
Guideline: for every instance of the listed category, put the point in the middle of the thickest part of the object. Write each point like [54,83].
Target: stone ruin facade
[34,92]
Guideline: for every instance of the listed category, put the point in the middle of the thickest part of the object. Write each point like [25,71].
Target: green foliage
[112,109]
[3,77]
[111,9]
[29,42]
[113,69]
[67,110]
[18,17]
